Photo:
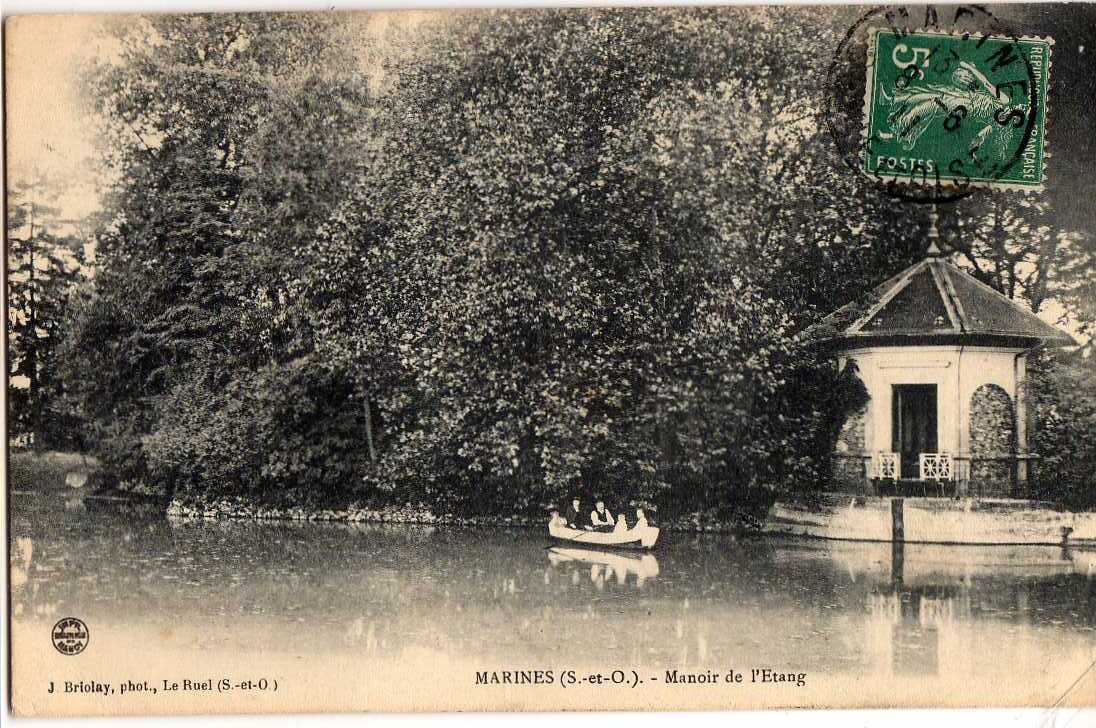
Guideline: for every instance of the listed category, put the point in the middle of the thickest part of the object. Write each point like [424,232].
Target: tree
[45,264]
[1062,388]
[585,247]
[1011,242]
[219,131]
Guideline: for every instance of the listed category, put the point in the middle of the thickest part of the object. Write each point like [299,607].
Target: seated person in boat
[575,517]
[641,518]
[600,518]
[621,524]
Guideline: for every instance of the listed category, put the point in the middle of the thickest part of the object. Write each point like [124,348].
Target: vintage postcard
[625,358]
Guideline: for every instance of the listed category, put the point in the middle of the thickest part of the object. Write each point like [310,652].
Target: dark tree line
[528,254]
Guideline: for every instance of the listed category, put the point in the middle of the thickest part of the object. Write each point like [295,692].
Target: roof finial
[934,250]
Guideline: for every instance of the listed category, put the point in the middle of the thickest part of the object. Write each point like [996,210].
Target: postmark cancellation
[956,110]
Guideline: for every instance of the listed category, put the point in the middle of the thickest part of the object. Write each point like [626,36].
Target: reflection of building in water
[1084,562]
[362,634]
[927,605]
[606,567]
[908,624]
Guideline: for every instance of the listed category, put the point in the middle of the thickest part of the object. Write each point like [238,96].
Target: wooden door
[914,424]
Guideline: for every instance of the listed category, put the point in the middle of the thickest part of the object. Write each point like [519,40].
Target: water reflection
[381,591]
[915,616]
[924,597]
[605,565]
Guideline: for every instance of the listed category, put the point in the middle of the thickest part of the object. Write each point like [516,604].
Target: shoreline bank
[242,509]
[932,520]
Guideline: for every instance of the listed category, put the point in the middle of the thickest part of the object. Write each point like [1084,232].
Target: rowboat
[638,537]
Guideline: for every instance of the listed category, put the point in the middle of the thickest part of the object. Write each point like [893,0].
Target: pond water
[181,592]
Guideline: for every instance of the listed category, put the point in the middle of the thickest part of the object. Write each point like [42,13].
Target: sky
[49,130]
[50,127]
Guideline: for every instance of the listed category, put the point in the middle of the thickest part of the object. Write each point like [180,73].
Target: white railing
[886,465]
[937,466]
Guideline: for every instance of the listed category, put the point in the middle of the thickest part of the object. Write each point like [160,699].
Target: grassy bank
[47,471]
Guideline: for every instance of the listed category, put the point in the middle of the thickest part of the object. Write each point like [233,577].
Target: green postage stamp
[962,110]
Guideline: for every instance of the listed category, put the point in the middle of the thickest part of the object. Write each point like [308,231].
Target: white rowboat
[640,537]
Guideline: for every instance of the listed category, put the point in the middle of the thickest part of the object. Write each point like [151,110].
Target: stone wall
[992,443]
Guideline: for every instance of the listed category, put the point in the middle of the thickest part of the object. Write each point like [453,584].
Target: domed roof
[934,301]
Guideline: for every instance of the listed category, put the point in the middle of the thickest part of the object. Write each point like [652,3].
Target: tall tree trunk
[369,429]
[1048,251]
[32,329]
[999,246]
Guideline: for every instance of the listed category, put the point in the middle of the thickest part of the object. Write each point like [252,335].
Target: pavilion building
[943,358]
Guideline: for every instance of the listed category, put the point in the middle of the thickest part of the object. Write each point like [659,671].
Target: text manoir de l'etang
[672,677]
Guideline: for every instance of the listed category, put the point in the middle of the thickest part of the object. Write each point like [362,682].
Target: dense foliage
[588,251]
[227,139]
[1062,390]
[292,429]
[532,253]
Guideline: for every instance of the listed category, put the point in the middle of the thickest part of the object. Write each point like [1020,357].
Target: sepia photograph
[550,359]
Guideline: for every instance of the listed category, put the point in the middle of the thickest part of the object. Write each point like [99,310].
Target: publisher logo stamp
[70,636]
